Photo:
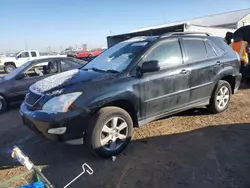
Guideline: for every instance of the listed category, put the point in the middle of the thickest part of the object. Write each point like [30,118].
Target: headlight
[61,103]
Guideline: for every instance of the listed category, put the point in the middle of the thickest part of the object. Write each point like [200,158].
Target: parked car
[14,86]
[130,84]
[8,64]
[88,54]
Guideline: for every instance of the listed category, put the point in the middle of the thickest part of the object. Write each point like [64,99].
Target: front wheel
[220,99]
[109,132]
[9,68]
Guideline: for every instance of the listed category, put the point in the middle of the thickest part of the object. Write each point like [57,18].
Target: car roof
[175,35]
[51,58]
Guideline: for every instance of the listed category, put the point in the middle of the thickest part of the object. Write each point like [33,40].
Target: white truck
[8,64]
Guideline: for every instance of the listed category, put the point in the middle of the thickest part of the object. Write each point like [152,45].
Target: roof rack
[184,33]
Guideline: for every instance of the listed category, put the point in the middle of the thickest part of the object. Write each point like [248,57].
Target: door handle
[184,71]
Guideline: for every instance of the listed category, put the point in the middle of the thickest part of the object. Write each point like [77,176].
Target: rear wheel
[109,132]
[220,99]
[9,68]
[3,105]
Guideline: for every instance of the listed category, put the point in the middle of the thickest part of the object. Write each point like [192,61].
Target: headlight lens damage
[61,103]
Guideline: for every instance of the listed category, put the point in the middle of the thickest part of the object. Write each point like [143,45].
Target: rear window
[33,54]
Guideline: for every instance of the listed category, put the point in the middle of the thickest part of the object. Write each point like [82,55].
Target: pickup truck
[10,63]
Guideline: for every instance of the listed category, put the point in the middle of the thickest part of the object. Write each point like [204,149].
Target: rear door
[168,89]
[202,62]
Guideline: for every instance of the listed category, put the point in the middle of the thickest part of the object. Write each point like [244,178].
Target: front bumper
[1,67]
[237,82]
[41,122]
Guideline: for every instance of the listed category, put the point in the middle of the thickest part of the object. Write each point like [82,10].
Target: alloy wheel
[222,97]
[114,134]
[9,69]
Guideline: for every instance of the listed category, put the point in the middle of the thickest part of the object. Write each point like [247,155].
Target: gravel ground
[190,149]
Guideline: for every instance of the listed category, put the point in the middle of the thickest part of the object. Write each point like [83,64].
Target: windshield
[16,71]
[118,57]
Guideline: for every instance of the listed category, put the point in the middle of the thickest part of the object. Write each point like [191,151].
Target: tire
[219,102]
[3,105]
[9,68]
[105,144]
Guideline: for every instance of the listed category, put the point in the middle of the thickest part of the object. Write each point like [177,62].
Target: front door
[33,73]
[168,89]
[22,58]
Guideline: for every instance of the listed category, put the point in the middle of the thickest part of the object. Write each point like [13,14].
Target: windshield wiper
[94,69]
[101,70]
[112,71]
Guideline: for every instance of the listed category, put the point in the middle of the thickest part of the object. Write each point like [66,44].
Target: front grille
[31,98]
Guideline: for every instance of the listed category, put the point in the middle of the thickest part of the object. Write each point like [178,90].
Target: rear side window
[68,65]
[168,53]
[33,54]
[210,51]
[219,45]
[195,50]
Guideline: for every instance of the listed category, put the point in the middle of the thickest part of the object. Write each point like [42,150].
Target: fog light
[59,130]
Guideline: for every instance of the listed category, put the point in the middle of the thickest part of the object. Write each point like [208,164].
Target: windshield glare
[16,71]
[118,57]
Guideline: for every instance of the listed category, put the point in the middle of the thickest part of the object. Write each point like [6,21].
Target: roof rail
[184,33]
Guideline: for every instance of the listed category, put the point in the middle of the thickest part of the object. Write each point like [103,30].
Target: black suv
[132,83]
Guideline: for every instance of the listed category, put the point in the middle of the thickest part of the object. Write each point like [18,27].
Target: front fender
[108,98]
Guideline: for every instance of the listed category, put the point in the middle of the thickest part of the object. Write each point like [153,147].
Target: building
[217,24]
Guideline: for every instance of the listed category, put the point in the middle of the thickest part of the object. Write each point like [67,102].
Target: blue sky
[56,23]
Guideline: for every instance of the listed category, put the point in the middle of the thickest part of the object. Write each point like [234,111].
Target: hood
[65,79]
[6,59]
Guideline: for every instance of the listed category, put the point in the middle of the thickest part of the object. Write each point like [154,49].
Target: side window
[68,65]
[219,46]
[42,68]
[33,54]
[168,53]
[24,55]
[210,51]
[195,50]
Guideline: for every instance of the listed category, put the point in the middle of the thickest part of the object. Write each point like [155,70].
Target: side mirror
[20,76]
[150,66]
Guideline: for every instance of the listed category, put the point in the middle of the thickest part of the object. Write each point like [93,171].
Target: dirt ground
[190,149]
